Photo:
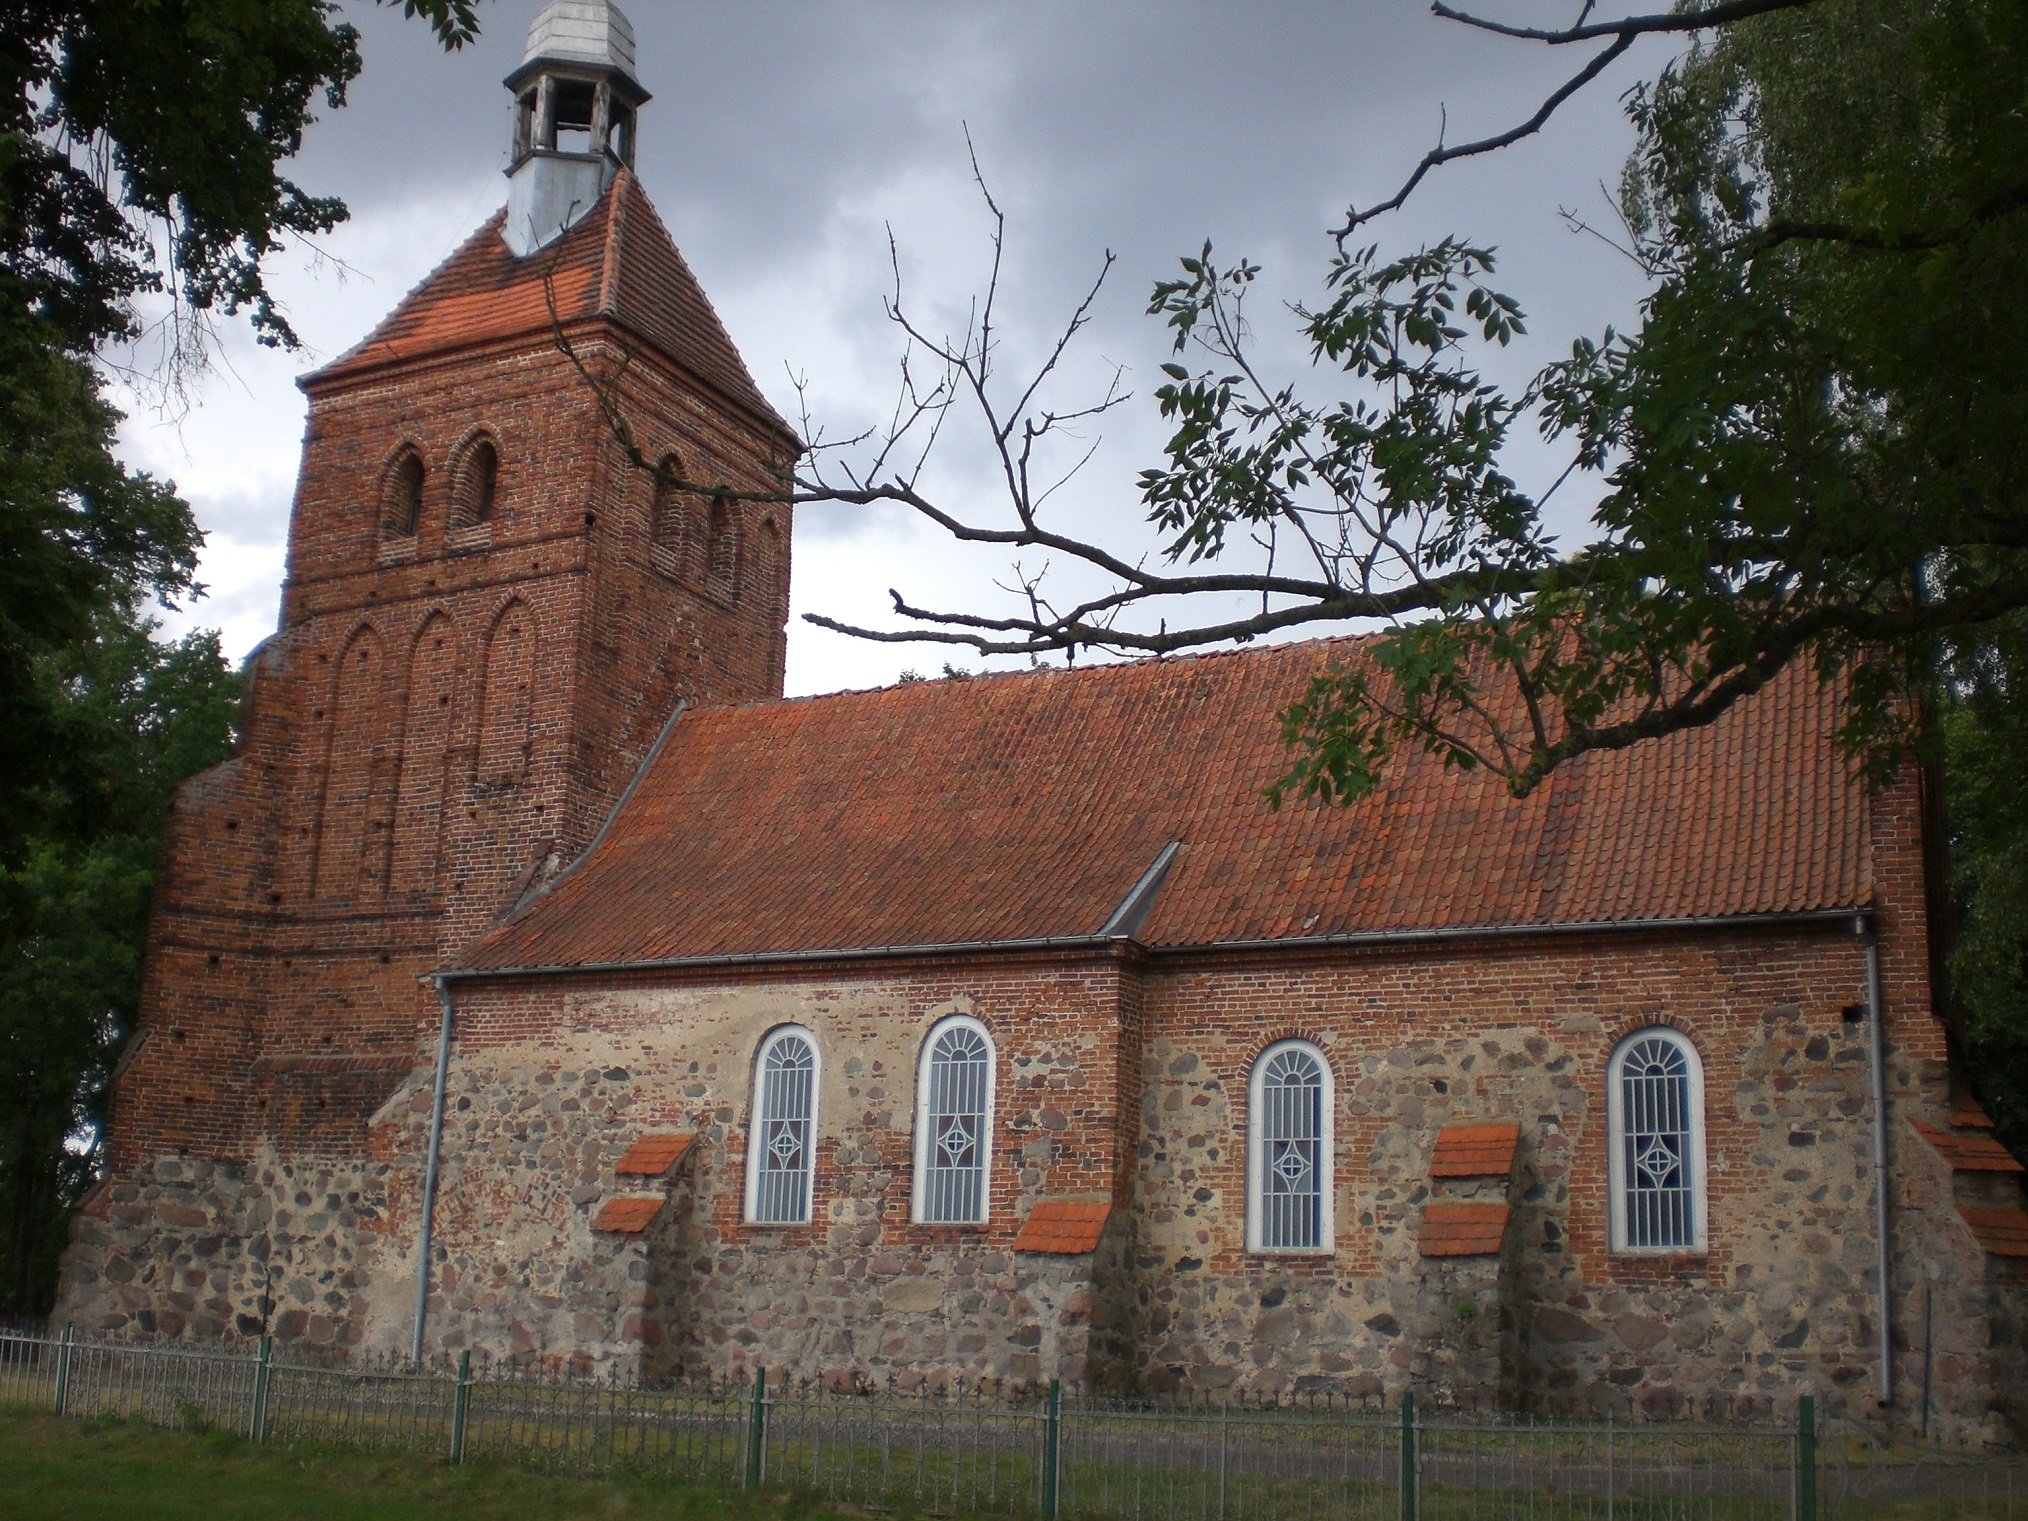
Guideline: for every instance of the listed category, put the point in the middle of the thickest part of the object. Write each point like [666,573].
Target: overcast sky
[786,137]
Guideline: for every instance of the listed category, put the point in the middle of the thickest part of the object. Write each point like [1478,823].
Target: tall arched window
[401,496]
[1289,1144]
[781,1173]
[1655,1143]
[954,1124]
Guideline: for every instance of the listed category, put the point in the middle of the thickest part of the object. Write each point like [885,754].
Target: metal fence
[964,1453]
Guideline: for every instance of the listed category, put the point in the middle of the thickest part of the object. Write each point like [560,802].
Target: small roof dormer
[576,96]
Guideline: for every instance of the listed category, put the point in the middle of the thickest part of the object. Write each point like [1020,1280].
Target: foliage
[1809,449]
[135,716]
[1985,729]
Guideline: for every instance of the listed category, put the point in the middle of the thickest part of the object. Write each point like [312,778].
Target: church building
[537,980]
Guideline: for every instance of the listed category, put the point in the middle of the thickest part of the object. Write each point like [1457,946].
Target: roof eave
[1859,917]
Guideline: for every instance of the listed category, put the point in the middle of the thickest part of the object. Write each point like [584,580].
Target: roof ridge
[387,321]
[616,230]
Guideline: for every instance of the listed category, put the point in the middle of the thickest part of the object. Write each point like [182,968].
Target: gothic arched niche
[507,710]
[401,494]
[425,753]
[358,782]
[771,576]
[475,482]
[721,539]
[667,514]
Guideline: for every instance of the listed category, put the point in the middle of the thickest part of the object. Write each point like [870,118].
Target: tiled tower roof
[1027,807]
[617,262]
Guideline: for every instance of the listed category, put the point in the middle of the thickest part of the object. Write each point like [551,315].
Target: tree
[1985,734]
[136,716]
[1810,449]
[140,152]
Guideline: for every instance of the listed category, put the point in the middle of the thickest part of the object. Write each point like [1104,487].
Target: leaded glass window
[1289,1146]
[955,1140]
[1657,1143]
[780,1163]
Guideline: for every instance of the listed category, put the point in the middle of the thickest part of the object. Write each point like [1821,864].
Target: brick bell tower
[490,612]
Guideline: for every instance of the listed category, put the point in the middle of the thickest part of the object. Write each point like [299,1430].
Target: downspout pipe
[1876,1061]
[429,1189]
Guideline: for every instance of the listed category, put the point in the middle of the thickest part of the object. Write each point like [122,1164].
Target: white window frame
[1616,1161]
[922,1120]
[1327,1146]
[757,1124]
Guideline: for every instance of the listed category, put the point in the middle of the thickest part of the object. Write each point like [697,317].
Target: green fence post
[1806,1459]
[459,1404]
[1052,1439]
[757,1430]
[63,1370]
[1407,1456]
[257,1428]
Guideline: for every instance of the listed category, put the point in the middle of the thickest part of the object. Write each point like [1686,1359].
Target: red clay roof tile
[1475,1151]
[1062,1227]
[1969,1153]
[617,262]
[629,1214]
[1463,1230]
[1027,806]
[2003,1232]
[653,1155]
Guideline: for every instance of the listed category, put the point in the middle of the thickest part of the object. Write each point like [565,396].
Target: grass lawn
[78,1470]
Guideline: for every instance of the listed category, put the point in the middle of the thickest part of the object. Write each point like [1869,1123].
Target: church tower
[491,610]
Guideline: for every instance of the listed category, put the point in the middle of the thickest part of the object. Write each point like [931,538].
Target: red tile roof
[629,1214]
[1463,1230]
[1475,1151]
[2003,1232]
[1969,1153]
[617,261]
[1027,806]
[653,1155]
[1062,1227]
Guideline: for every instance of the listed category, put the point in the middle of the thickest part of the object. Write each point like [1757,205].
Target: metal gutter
[429,1192]
[1354,940]
[1876,1062]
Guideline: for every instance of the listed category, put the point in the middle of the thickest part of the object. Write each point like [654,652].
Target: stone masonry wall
[1780,1303]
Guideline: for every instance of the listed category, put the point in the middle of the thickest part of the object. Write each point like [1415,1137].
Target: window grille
[954,1137]
[780,1164]
[1658,1143]
[1290,1140]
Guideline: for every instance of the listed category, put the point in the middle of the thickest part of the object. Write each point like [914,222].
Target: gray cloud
[785,137]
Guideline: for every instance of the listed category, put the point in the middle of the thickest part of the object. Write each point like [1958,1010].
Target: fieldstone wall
[193,1249]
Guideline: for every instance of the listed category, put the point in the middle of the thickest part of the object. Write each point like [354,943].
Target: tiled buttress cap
[1475,1151]
[1062,1228]
[628,1215]
[1463,1230]
[1969,1153]
[653,1155]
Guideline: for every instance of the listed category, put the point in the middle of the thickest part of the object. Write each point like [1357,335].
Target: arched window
[954,1124]
[401,498]
[1655,1143]
[478,478]
[781,1172]
[1288,1149]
